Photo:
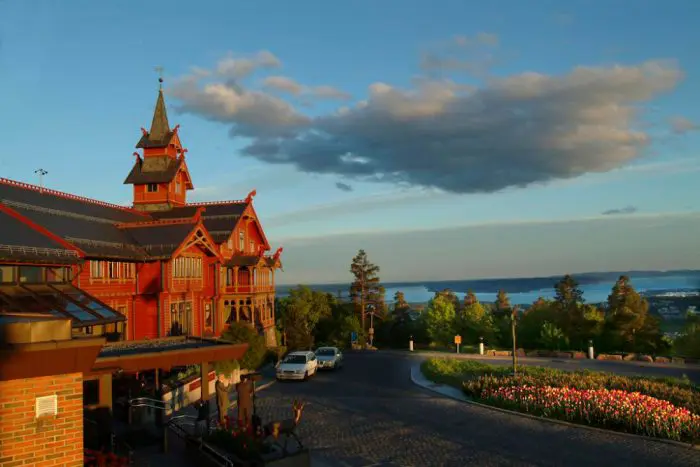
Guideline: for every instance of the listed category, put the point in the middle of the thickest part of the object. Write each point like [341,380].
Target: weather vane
[159,69]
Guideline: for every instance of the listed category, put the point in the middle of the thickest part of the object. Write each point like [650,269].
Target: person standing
[245,390]
[222,387]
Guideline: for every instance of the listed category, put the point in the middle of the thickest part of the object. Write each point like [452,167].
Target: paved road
[369,413]
[618,367]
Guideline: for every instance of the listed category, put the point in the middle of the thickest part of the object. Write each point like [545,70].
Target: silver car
[329,358]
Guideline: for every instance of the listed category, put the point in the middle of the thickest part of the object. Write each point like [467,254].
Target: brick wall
[47,441]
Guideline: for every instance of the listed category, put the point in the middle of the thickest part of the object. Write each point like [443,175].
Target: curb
[466,400]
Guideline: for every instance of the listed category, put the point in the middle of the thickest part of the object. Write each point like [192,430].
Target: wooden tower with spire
[160,176]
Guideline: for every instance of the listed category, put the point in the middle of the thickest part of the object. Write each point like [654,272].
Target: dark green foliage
[240,333]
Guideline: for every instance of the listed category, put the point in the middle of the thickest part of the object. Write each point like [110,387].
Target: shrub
[243,333]
[226,367]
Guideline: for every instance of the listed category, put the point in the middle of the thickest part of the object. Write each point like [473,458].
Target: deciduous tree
[440,320]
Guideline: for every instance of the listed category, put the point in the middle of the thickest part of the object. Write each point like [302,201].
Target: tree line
[308,318]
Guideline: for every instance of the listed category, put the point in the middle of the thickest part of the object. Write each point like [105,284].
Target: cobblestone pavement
[369,413]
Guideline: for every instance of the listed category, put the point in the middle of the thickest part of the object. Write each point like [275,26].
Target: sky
[449,139]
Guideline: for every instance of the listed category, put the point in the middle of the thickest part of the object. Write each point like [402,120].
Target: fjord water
[592,293]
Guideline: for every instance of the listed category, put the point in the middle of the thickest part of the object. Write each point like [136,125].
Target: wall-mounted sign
[46,406]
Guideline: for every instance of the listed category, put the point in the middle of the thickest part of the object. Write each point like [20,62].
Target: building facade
[161,267]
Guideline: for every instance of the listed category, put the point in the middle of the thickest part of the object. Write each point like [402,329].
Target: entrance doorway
[180,318]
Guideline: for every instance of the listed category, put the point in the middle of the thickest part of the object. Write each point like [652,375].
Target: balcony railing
[249,288]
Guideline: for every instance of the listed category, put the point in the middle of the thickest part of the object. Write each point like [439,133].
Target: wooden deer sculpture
[286,427]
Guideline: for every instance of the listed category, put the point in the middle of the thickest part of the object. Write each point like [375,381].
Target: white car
[329,357]
[297,365]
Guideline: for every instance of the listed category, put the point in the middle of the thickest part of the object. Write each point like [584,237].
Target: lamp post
[481,346]
[513,317]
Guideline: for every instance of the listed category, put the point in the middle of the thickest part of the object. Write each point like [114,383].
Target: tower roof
[160,133]
[159,125]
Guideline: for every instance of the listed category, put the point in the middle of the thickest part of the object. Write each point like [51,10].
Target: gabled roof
[219,218]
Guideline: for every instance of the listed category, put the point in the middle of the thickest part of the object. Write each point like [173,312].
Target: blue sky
[481,127]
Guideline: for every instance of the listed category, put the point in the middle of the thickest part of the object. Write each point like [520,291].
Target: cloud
[681,125]
[471,55]
[238,68]
[513,132]
[343,186]
[441,133]
[288,85]
[625,210]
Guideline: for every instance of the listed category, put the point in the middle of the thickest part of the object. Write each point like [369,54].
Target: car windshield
[295,359]
[325,352]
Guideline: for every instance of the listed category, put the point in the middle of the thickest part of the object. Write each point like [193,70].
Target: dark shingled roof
[219,218]
[33,195]
[19,242]
[160,240]
[158,169]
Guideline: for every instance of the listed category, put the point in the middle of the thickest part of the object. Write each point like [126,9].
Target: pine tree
[401,306]
[570,310]
[366,289]
[628,323]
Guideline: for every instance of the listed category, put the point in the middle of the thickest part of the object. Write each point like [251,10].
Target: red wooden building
[161,267]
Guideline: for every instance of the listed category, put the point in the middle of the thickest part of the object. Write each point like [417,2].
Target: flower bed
[661,407]
[615,409]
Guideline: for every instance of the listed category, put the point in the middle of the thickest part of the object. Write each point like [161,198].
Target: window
[178,187]
[241,240]
[152,187]
[113,269]
[129,270]
[97,269]
[58,275]
[229,276]
[187,267]
[7,274]
[230,244]
[31,274]
[252,246]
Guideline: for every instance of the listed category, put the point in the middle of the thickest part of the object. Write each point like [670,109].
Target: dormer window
[241,240]
[152,187]
[178,187]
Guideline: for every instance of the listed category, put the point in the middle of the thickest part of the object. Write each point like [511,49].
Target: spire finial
[159,69]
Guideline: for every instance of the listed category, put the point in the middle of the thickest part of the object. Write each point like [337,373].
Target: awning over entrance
[164,354]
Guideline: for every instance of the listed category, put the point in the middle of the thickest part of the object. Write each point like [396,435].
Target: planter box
[678,360]
[500,353]
[662,360]
[630,357]
[579,355]
[645,358]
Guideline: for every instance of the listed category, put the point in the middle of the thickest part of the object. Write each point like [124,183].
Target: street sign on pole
[458,340]
[353,337]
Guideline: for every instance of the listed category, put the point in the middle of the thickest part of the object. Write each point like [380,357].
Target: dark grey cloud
[343,186]
[625,210]
[510,132]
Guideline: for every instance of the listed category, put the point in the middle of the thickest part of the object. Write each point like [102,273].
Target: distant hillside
[512,285]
